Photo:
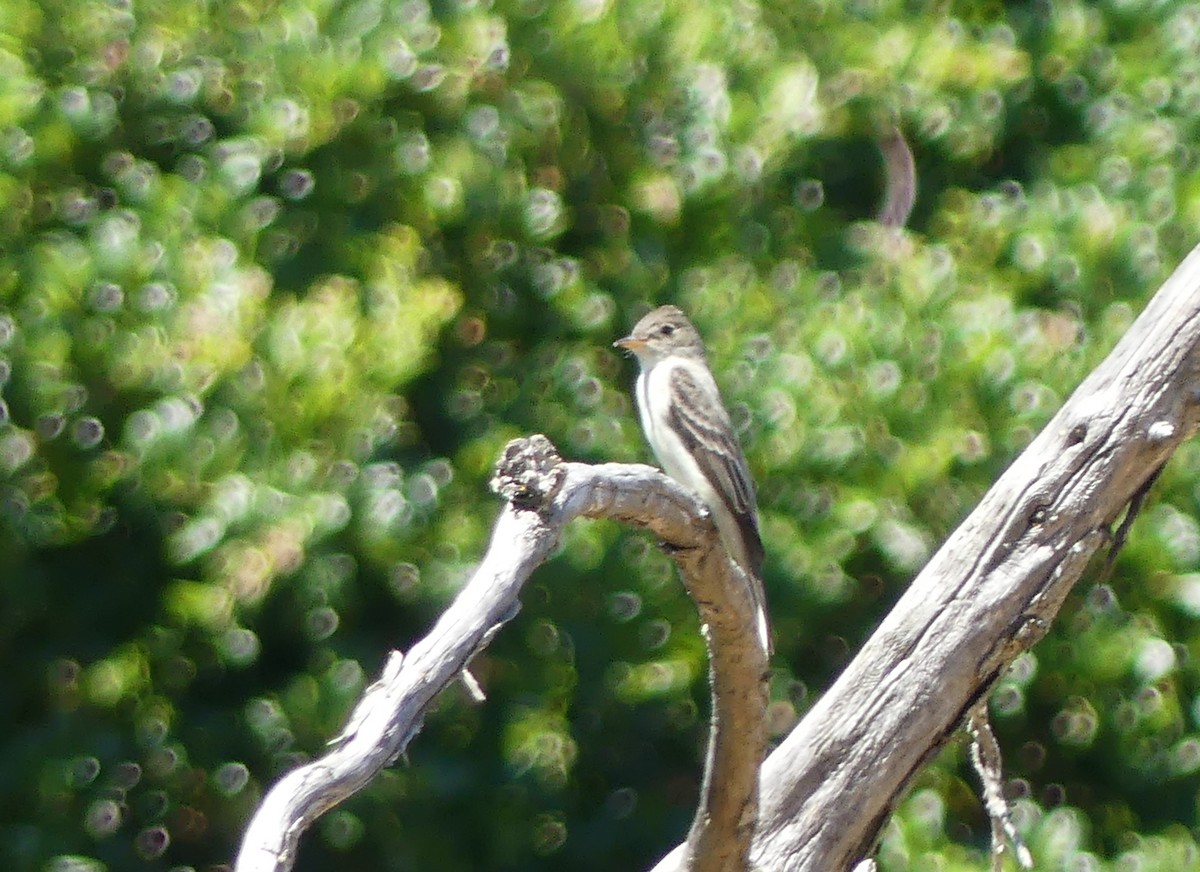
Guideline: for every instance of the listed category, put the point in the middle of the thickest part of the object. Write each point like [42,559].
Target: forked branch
[544,494]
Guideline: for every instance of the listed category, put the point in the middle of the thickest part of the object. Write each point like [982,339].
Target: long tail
[763,625]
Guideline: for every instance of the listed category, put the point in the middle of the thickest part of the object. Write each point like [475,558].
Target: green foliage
[278,280]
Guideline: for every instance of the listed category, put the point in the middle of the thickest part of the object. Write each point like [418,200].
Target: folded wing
[699,419]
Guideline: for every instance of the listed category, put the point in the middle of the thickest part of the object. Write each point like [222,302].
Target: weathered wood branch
[544,494]
[987,595]
[986,758]
[900,176]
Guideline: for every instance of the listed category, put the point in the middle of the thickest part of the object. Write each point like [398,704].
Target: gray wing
[699,419]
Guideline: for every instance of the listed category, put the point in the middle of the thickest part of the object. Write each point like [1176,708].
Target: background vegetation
[278,280]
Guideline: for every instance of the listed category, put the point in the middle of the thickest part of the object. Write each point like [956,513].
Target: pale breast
[654,397]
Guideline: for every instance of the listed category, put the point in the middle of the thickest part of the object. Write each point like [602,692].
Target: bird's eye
[666,329]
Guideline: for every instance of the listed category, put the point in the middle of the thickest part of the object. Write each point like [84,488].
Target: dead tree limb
[544,494]
[987,595]
[900,176]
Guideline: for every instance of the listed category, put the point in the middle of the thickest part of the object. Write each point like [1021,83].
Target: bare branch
[544,495]
[986,758]
[986,596]
[900,176]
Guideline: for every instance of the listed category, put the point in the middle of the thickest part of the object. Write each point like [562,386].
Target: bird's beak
[630,344]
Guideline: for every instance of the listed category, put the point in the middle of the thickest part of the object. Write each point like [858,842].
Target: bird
[690,433]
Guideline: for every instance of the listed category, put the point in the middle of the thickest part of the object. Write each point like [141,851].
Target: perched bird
[690,432]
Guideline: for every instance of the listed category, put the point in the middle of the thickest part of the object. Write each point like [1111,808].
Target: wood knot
[1161,431]
[529,472]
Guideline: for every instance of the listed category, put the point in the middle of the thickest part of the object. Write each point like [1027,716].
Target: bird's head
[661,333]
